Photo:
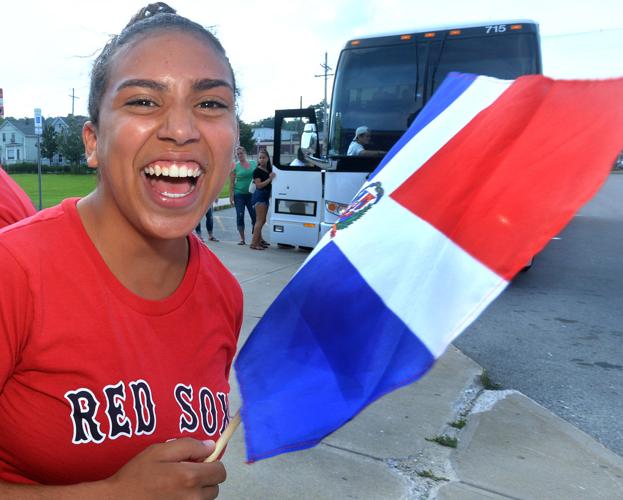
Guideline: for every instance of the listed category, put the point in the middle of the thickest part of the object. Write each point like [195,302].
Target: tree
[264,123]
[70,141]
[247,141]
[49,146]
[319,115]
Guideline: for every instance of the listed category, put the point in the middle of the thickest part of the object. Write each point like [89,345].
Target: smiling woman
[104,324]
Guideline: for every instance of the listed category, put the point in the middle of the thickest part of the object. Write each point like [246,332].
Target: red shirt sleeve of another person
[14,202]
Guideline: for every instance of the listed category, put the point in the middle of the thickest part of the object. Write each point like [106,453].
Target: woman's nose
[179,125]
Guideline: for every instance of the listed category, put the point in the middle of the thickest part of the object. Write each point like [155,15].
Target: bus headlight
[334,207]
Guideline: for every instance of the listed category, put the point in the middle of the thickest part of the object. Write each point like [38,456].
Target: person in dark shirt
[263,176]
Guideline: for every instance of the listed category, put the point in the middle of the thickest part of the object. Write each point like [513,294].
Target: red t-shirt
[90,373]
[14,203]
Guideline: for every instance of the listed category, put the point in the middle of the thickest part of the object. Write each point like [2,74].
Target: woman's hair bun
[151,10]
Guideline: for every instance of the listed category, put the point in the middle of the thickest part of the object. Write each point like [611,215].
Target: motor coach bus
[381,82]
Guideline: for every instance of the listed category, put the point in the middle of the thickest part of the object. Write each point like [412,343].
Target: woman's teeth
[173,180]
[173,170]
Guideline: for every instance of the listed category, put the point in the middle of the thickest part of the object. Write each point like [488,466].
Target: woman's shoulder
[212,269]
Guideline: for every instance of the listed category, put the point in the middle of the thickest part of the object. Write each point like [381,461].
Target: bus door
[296,202]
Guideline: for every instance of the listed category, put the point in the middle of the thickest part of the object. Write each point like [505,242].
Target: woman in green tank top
[239,196]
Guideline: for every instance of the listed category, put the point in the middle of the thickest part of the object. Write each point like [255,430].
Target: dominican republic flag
[486,175]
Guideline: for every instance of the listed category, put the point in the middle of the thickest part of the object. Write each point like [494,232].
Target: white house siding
[31,148]
[15,146]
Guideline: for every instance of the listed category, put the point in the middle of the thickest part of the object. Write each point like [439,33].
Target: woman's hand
[169,470]
[272,175]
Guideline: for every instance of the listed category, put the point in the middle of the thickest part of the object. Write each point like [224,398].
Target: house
[60,126]
[18,142]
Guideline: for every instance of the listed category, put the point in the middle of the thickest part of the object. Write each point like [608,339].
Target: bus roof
[524,25]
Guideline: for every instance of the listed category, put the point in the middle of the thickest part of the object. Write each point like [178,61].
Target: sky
[277,47]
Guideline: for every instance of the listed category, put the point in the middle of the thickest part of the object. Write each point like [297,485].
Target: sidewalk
[510,447]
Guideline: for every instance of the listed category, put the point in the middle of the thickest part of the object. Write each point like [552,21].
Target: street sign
[38,122]
[39,133]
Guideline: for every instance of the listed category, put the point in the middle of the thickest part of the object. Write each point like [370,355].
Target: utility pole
[73,100]
[325,75]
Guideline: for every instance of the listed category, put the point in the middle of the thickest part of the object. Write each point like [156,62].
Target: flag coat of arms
[486,175]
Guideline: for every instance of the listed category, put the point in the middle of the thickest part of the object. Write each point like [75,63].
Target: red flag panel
[514,176]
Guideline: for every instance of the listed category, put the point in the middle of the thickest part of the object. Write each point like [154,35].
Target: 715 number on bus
[497,28]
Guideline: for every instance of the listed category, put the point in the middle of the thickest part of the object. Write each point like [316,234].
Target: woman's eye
[141,102]
[212,105]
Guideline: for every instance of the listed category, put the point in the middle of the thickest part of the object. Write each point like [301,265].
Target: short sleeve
[16,313]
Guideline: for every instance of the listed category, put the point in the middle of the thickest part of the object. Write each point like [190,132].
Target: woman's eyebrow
[140,82]
[198,85]
[210,83]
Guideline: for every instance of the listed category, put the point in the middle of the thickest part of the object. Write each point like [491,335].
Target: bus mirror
[309,139]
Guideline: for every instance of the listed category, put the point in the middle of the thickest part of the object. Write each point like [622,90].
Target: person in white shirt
[361,139]
[300,160]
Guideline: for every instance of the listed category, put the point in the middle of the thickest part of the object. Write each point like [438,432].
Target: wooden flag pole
[225,437]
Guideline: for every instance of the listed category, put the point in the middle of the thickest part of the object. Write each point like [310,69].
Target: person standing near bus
[362,139]
[263,176]
[300,160]
[113,365]
[239,194]
[209,225]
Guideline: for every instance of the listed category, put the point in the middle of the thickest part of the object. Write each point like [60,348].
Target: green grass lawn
[57,187]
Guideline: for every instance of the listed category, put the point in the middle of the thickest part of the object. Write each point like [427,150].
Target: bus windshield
[509,57]
[375,87]
[383,85]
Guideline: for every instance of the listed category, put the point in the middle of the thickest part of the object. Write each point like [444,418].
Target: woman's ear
[89,138]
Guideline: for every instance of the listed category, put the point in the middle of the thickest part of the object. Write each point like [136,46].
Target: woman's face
[242,154]
[263,159]
[166,133]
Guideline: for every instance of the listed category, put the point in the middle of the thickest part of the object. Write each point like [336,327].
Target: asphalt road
[556,333]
